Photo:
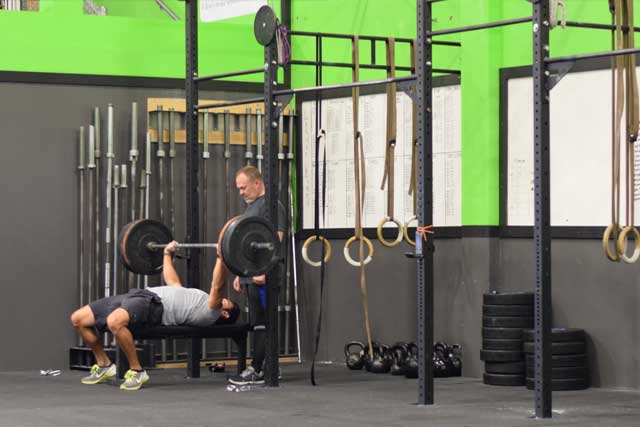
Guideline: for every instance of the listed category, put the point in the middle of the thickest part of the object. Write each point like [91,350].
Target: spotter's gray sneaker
[248,377]
[133,380]
[99,374]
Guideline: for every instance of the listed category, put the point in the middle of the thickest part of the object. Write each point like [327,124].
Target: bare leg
[117,322]
[84,323]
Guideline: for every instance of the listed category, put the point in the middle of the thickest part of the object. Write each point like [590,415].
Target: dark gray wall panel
[589,292]
[39,125]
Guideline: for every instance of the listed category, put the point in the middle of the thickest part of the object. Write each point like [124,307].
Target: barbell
[247,245]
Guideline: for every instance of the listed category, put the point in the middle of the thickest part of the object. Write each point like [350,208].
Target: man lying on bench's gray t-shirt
[185,306]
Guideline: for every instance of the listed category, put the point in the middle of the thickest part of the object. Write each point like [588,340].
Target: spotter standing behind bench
[170,305]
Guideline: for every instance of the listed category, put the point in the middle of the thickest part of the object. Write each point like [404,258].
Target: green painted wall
[61,39]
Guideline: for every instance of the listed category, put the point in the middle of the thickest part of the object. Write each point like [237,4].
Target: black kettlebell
[398,355]
[354,359]
[411,361]
[379,363]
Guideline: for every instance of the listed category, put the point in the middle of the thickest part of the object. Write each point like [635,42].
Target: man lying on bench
[171,305]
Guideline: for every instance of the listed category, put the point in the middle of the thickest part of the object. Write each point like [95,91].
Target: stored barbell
[247,245]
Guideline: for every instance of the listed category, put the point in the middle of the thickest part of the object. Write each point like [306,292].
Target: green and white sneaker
[133,380]
[99,374]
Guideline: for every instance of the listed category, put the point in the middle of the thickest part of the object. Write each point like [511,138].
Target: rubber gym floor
[342,398]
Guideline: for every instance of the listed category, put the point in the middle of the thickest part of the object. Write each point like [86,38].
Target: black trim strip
[123,81]
[469,231]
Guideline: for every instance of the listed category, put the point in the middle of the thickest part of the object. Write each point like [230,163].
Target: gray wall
[38,257]
[589,292]
[39,199]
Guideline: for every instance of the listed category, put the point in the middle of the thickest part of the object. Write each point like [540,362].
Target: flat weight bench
[237,332]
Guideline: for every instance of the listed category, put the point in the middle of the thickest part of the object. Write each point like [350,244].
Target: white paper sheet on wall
[338,123]
[217,10]
[580,141]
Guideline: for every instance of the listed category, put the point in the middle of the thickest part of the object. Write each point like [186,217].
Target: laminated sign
[217,10]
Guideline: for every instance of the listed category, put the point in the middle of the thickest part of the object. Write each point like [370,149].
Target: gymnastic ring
[347,255]
[622,244]
[327,248]
[393,243]
[405,230]
[611,229]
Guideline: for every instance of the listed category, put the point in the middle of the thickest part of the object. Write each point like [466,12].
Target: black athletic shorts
[144,307]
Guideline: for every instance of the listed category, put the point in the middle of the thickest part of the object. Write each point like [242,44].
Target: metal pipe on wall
[125,276]
[292,237]
[93,236]
[107,255]
[116,186]
[147,183]
[98,198]
[205,179]
[81,217]
[259,155]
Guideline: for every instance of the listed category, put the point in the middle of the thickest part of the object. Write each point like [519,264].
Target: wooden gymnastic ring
[405,230]
[622,244]
[611,229]
[307,243]
[347,255]
[393,243]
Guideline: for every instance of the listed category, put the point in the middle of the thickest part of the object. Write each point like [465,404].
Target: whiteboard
[580,151]
[337,122]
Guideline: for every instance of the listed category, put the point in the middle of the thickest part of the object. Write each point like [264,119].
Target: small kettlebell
[379,364]
[398,355]
[411,361]
[354,359]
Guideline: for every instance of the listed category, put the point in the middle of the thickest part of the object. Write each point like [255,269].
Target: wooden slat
[215,137]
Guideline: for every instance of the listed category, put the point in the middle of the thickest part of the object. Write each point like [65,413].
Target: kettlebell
[411,361]
[354,359]
[398,355]
[379,364]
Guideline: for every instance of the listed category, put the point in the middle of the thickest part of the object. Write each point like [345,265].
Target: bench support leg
[193,364]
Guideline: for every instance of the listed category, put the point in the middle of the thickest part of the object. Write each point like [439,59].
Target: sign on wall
[338,125]
[217,10]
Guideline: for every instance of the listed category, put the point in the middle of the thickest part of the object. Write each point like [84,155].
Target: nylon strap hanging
[613,229]
[632,122]
[389,160]
[413,180]
[319,135]
[359,193]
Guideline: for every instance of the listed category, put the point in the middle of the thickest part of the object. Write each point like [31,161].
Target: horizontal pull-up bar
[596,26]
[231,74]
[479,27]
[369,38]
[607,54]
[343,86]
[348,65]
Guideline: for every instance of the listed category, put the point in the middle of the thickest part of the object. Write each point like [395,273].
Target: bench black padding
[237,332]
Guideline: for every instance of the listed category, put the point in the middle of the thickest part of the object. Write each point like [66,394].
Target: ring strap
[389,159]
[359,184]
[413,181]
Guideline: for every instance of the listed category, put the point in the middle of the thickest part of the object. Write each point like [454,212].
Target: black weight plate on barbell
[507,310]
[503,379]
[563,373]
[501,356]
[559,347]
[504,368]
[236,246]
[264,25]
[563,385]
[502,333]
[562,360]
[513,345]
[134,252]
[558,335]
[507,322]
[508,298]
